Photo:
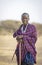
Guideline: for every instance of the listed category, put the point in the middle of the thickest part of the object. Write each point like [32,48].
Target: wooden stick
[20,53]
[13,56]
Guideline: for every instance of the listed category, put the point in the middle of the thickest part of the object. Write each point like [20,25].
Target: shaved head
[25,14]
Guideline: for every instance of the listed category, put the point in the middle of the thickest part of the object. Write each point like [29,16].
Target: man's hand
[19,38]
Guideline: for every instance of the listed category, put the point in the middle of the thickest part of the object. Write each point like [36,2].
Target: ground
[7,48]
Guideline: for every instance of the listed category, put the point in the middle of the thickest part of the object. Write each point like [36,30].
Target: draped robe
[29,38]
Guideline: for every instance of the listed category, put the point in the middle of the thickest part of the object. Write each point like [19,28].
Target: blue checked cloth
[29,59]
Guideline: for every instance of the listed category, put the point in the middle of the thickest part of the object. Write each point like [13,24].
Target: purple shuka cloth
[29,38]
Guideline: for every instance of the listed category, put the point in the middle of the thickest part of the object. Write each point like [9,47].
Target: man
[27,35]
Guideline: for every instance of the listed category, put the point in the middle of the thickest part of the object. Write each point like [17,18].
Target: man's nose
[24,19]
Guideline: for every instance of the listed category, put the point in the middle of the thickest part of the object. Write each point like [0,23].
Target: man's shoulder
[32,25]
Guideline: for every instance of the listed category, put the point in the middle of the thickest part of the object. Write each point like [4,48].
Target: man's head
[25,18]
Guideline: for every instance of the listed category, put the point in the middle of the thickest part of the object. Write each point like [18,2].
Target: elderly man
[28,35]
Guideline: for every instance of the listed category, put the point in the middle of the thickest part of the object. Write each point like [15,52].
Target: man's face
[25,19]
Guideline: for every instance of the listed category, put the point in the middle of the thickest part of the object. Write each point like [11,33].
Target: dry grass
[7,47]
